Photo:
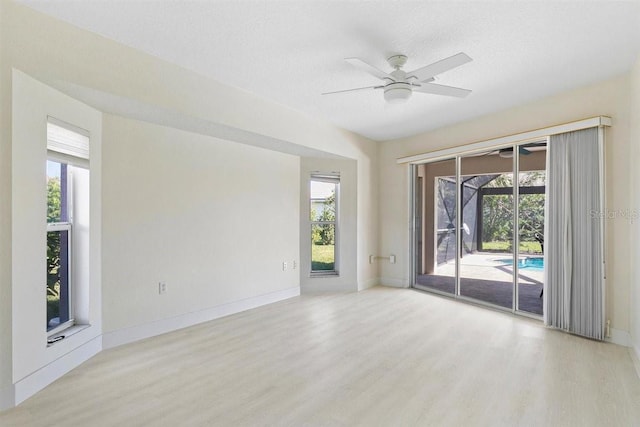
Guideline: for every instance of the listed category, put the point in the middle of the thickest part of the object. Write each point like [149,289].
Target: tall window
[67,168]
[324,197]
[59,224]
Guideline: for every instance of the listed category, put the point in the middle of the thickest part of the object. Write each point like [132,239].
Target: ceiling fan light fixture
[397,93]
[506,153]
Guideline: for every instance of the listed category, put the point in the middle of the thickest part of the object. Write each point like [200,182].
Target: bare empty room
[319,213]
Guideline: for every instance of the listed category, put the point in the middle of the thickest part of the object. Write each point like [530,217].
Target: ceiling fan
[507,152]
[399,85]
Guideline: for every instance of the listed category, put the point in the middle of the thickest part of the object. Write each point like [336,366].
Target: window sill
[72,330]
[315,274]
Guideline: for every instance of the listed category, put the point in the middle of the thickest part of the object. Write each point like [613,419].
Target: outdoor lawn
[322,257]
[525,247]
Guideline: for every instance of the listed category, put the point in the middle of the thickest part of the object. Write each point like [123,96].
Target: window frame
[68,227]
[69,145]
[332,178]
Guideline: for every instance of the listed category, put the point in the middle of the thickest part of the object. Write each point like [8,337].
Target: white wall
[634,159]
[347,224]
[211,218]
[6,340]
[610,98]
[33,102]
[367,217]
[126,82]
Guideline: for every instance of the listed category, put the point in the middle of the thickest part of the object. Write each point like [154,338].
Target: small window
[67,212]
[324,197]
[59,229]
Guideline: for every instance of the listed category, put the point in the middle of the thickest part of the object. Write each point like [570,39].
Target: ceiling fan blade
[535,144]
[508,151]
[440,67]
[370,69]
[352,90]
[482,154]
[441,90]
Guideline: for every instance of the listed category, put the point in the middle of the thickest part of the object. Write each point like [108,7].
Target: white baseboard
[147,330]
[393,282]
[33,383]
[619,337]
[368,284]
[327,287]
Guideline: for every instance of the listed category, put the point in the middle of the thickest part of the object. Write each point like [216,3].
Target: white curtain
[574,283]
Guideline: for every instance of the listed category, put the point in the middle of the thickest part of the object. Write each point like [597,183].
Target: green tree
[498,210]
[531,207]
[53,246]
[53,199]
[324,234]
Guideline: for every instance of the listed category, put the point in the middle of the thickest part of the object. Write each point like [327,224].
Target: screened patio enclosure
[445,214]
[501,206]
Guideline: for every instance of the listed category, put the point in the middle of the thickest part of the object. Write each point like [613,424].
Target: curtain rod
[495,143]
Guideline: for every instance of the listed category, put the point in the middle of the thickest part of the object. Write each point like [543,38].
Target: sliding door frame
[513,141]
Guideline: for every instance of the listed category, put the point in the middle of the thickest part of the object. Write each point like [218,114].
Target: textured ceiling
[292,51]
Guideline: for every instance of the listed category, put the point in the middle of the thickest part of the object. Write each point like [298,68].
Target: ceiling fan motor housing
[397,61]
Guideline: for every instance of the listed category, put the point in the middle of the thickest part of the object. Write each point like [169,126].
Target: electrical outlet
[162,288]
[284,265]
[294,264]
[392,259]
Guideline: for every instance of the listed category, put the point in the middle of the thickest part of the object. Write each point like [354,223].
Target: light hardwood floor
[379,357]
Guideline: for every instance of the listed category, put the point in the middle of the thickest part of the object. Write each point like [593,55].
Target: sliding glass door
[479,227]
[531,201]
[436,239]
[486,255]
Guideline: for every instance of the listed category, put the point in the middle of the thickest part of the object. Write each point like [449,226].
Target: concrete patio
[488,278]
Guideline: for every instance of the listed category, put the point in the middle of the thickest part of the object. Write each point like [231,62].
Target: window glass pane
[487,227]
[57,197]
[531,222]
[323,201]
[531,182]
[323,247]
[323,226]
[57,278]
[436,236]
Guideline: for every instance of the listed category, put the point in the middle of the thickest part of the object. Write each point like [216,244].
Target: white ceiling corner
[292,51]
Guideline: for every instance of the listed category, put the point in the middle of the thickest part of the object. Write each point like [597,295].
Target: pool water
[529,263]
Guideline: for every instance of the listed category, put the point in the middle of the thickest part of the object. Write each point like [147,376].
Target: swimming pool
[528,263]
